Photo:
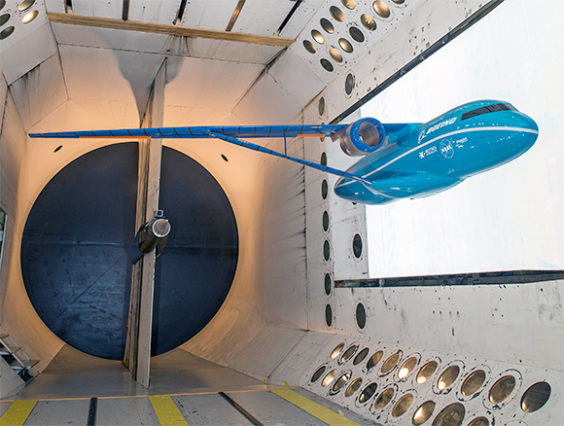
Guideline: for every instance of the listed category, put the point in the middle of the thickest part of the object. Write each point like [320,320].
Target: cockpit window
[487,109]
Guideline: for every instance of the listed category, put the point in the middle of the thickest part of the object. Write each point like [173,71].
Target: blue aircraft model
[408,160]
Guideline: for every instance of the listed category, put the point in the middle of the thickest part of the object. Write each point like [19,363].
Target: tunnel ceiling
[47,64]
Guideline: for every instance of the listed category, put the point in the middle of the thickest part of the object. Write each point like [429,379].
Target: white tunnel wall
[11,156]
[19,318]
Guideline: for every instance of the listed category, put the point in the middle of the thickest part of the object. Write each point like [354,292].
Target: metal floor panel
[349,414]
[235,408]
[4,406]
[46,413]
[125,411]
[270,409]
[74,374]
[209,409]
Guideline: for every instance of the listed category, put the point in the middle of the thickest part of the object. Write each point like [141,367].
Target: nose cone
[530,131]
[527,122]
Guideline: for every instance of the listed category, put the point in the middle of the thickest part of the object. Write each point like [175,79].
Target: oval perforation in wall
[317,374]
[448,377]
[337,350]
[535,397]
[390,363]
[360,356]
[427,371]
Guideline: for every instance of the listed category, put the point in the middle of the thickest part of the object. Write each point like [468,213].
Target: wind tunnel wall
[284,317]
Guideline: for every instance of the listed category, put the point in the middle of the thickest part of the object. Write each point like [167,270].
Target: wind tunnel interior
[247,280]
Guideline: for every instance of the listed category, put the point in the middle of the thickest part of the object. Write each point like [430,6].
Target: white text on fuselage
[424,133]
[427,152]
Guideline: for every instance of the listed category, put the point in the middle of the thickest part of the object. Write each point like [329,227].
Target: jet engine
[362,137]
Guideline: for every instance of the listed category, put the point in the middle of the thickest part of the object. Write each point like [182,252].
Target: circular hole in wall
[535,397]
[328,315]
[426,372]
[321,106]
[368,22]
[327,25]
[349,86]
[4,18]
[324,189]
[317,36]
[390,363]
[423,413]
[357,245]
[451,415]
[384,398]
[381,9]
[340,382]
[318,373]
[30,16]
[479,421]
[367,393]
[26,4]
[374,359]
[326,250]
[323,160]
[345,45]
[336,55]
[402,405]
[325,221]
[337,351]
[501,389]
[360,315]
[327,284]
[349,4]
[309,46]
[327,66]
[353,387]
[360,356]
[473,382]
[356,34]
[448,377]
[328,379]
[407,367]
[6,32]
[348,354]
[337,13]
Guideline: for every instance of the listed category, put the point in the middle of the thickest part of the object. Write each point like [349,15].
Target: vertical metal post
[137,356]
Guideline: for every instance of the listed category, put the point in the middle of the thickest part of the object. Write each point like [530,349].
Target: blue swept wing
[230,134]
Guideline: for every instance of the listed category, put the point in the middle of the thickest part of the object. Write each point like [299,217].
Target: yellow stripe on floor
[166,410]
[317,410]
[17,413]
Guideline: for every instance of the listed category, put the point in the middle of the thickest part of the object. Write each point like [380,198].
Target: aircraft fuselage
[418,160]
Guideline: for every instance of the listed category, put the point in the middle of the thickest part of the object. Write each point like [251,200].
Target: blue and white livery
[407,160]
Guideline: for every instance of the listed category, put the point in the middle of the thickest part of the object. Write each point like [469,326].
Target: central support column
[137,356]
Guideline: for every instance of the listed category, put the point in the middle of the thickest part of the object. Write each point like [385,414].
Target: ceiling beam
[174,30]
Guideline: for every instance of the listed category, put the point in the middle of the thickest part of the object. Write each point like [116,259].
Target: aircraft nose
[528,123]
[530,134]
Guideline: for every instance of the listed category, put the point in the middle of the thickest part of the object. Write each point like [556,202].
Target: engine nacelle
[362,137]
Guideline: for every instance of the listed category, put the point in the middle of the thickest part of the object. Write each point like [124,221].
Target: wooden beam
[137,356]
[174,30]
